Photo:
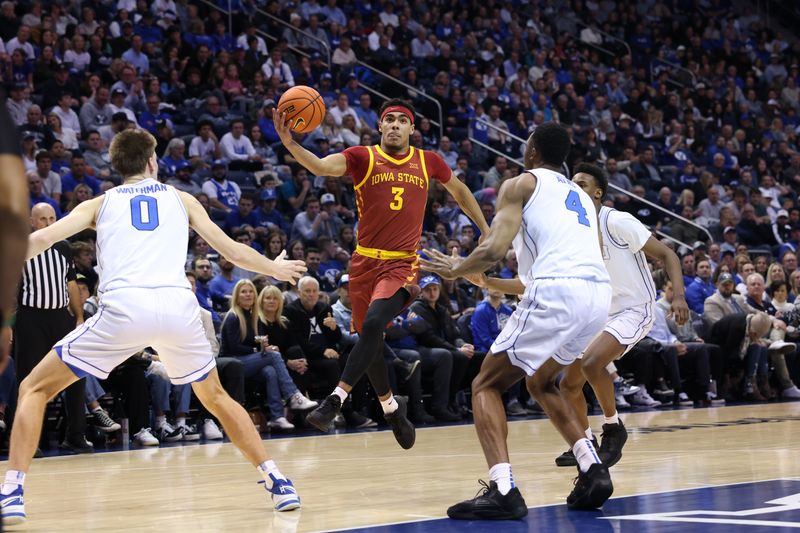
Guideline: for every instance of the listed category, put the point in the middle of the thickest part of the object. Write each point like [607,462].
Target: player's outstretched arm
[438,261]
[236,252]
[466,200]
[332,165]
[80,218]
[505,225]
[658,250]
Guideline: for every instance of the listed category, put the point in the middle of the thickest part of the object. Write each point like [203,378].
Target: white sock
[588,433]
[613,419]
[585,454]
[340,392]
[14,479]
[268,470]
[501,474]
[389,406]
[161,421]
[180,421]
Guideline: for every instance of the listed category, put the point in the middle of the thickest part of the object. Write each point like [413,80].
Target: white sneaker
[280,423]
[792,393]
[683,399]
[642,398]
[622,403]
[782,347]
[211,430]
[298,402]
[145,438]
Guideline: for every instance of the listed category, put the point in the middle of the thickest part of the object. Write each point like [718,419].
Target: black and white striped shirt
[45,277]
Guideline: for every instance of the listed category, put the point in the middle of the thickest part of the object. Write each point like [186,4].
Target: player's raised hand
[440,263]
[287,269]
[281,126]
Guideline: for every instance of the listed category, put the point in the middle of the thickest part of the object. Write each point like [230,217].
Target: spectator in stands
[204,147]
[275,67]
[83,258]
[37,129]
[238,150]
[97,111]
[220,288]
[78,175]
[203,272]
[37,195]
[723,302]
[182,180]
[67,136]
[245,214]
[752,230]
[701,287]
[222,194]
[260,361]
[51,181]
[343,108]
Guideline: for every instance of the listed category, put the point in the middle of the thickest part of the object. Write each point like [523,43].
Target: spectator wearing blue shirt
[221,287]
[509,270]
[203,272]
[150,32]
[701,288]
[244,215]
[488,320]
[266,123]
[136,57]
[150,118]
[76,176]
[268,217]
[37,194]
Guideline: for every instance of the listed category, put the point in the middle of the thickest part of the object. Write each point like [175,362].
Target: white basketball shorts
[631,325]
[128,321]
[556,318]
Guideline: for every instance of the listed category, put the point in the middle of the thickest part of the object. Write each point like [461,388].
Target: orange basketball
[304,108]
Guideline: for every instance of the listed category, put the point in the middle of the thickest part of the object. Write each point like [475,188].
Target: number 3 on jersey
[397,203]
[144,213]
[573,203]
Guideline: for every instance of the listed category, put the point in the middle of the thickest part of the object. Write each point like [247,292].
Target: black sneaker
[403,429]
[568,457]
[322,417]
[613,439]
[592,489]
[77,447]
[103,422]
[489,504]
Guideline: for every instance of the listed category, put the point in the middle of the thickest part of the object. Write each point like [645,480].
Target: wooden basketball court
[364,479]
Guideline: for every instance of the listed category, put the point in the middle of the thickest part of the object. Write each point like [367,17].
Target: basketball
[304,108]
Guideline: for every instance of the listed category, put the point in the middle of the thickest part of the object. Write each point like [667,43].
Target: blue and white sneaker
[13,507]
[283,493]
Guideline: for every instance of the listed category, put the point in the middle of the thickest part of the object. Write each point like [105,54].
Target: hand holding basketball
[300,109]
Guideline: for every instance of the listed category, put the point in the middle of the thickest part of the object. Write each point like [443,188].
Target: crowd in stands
[691,105]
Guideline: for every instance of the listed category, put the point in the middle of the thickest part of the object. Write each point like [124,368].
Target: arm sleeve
[357,158]
[437,168]
[625,229]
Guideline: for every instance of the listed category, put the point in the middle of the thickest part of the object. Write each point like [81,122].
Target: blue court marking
[753,507]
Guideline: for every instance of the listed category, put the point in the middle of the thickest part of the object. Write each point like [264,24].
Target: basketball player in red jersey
[391,182]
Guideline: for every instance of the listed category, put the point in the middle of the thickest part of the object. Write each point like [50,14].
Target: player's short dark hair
[599,175]
[397,101]
[552,142]
[130,151]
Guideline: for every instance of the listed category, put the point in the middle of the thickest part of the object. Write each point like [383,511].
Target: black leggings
[367,355]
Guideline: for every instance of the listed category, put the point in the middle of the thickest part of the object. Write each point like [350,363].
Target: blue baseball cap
[344,280]
[429,280]
[219,163]
[268,194]
[180,165]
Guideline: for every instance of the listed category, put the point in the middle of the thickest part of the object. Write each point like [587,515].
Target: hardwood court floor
[363,479]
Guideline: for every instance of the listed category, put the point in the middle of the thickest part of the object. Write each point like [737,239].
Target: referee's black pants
[35,333]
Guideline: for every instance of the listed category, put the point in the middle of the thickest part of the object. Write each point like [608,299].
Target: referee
[47,293]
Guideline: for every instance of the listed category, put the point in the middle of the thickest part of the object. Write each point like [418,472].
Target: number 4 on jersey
[573,203]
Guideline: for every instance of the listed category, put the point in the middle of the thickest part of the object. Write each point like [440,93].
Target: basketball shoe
[592,488]
[404,432]
[322,417]
[568,457]
[13,507]
[489,504]
[283,494]
[612,440]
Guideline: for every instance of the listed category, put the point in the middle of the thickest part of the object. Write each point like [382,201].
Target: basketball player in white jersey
[146,300]
[625,243]
[553,226]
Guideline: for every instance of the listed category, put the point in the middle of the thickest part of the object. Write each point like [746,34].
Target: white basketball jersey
[623,239]
[558,235]
[142,237]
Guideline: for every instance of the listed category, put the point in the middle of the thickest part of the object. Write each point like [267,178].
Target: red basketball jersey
[391,194]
